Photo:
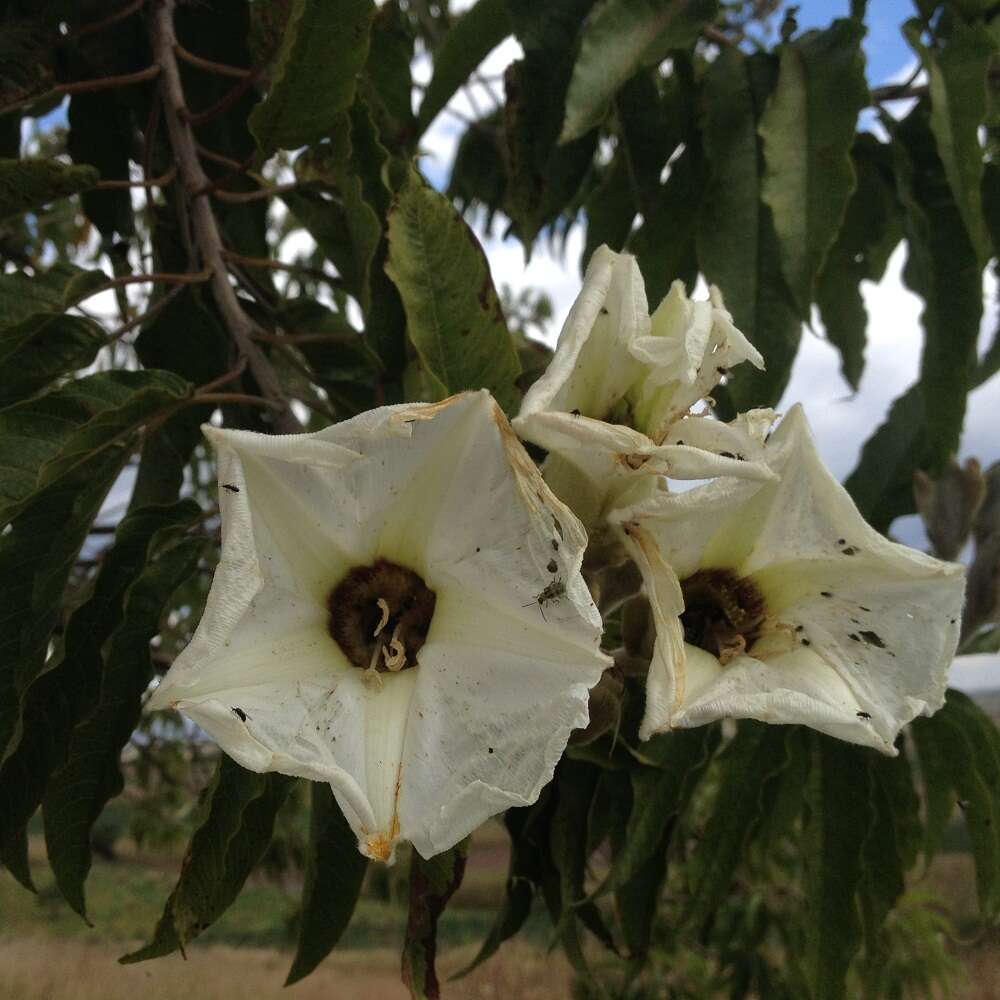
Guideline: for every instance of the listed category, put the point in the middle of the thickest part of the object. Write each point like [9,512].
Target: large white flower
[616,395]
[776,601]
[399,612]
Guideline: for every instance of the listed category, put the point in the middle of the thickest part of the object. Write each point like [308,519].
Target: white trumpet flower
[398,611]
[616,395]
[776,601]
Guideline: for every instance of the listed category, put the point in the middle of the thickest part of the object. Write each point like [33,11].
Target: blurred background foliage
[215,210]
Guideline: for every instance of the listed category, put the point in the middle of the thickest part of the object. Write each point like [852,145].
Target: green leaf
[387,82]
[69,690]
[943,270]
[882,483]
[346,228]
[672,765]
[44,439]
[576,784]
[100,136]
[986,641]
[528,831]
[468,42]
[736,241]
[674,211]
[63,451]
[30,184]
[226,847]
[746,768]
[957,85]
[37,342]
[543,177]
[334,872]
[808,128]
[834,837]
[960,747]
[90,774]
[432,884]
[622,37]
[610,209]
[889,850]
[323,48]
[870,232]
[453,315]
[478,174]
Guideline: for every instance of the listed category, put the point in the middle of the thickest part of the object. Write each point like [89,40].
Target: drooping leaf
[63,452]
[468,42]
[346,226]
[323,48]
[386,81]
[45,438]
[100,136]
[673,764]
[943,270]
[153,561]
[807,128]
[746,770]
[889,849]
[664,259]
[838,824]
[610,209]
[528,829]
[576,784]
[736,241]
[870,232]
[957,84]
[334,872]
[37,342]
[543,177]
[224,850]
[478,173]
[622,37]
[432,884]
[30,184]
[67,691]
[882,483]
[959,749]
[453,314]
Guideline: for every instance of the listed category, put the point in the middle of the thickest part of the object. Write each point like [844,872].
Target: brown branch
[230,376]
[222,104]
[107,82]
[226,161]
[266,192]
[156,277]
[236,172]
[206,230]
[232,397]
[152,311]
[81,87]
[119,15]
[291,339]
[159,182]
[209,65]
[280,265]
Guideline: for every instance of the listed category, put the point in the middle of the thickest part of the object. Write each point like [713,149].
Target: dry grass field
[47,953]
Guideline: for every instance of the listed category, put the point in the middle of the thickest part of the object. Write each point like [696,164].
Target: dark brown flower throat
[722,612]
[380,615]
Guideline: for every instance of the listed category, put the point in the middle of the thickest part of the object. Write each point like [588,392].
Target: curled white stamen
[383,621]
[397,660]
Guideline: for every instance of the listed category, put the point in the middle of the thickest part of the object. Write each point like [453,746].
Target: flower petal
[592,367]
[860,631]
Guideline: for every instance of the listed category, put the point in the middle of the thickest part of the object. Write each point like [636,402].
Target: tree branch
[205,228]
